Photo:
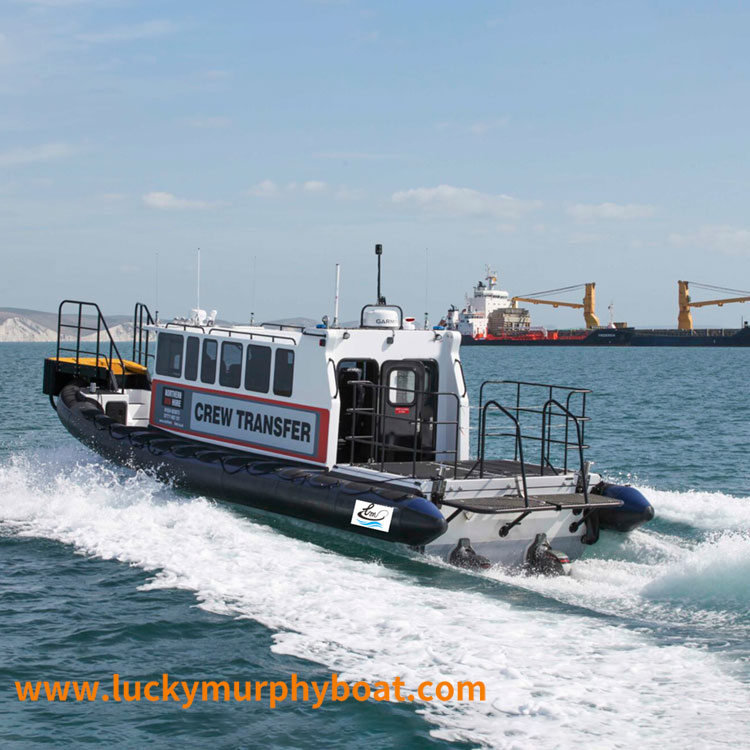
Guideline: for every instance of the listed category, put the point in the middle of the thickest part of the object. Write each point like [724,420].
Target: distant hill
[19,324]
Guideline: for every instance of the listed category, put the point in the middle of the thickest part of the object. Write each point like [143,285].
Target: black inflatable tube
[634,511]
[278,486]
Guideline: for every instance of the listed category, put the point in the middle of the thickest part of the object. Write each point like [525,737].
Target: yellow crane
[685,317]
[587,305]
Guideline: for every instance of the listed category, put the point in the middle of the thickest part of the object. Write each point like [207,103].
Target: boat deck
[463,469]
[517,504]
[501,502]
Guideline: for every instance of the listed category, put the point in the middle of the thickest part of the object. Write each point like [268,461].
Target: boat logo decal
[372,516]
[172,397]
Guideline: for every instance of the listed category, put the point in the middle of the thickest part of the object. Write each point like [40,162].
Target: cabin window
[169,355]
[257,368]
[208,361]
[191,358]
[283,373]
[230,373]
[401,386]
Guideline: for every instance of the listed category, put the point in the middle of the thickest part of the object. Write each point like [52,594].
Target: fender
[634,511]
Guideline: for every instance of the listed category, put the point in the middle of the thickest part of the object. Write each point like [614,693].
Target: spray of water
[554,678]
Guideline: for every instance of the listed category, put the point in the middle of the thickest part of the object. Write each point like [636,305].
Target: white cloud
[716,237]
[32,154]
[144,30]
[455,201]
[314,186]
[618,211]
[169,202]
[265,189]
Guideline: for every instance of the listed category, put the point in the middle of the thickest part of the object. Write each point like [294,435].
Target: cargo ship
[491,317]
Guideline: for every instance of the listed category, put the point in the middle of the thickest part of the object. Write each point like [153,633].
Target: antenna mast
[379,253]
[336,298]
[198,299]
[156,286]
[255,276]
[426,286]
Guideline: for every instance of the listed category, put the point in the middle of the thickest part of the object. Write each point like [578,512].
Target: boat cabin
[380,392]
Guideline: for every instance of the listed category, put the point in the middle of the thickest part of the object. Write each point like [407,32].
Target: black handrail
[548,407]
[141,317]
[519,445]
[376,441]
[98,354]
[184,325]
[518,408]
[545,436]
[283,326]
[253,334]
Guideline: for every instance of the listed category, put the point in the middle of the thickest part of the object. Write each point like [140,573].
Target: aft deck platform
[537,503]
[461,470]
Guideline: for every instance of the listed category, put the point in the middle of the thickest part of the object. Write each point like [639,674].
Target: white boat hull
[511,550]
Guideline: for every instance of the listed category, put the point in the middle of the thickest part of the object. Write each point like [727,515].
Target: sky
[558,142]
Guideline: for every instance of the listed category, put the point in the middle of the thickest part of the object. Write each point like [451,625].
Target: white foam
[660,580]
[713,511]
[554,679]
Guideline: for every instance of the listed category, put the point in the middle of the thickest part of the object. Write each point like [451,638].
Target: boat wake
[555,676]
[660,578]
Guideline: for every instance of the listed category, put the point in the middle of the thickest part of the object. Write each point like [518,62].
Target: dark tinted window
[191,358]
[257,368]
[208,361]
[283,373]
[230,372]
[169,355]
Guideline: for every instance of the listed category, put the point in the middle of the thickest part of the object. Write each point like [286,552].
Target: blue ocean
[647,644]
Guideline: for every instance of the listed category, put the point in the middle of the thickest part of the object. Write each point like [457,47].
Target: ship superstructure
[488,305]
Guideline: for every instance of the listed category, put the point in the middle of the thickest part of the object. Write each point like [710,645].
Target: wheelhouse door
[401,412]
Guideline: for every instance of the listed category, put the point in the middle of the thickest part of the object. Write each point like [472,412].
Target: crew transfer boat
[364,428]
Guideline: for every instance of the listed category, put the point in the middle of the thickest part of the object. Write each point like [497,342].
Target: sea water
[104,570]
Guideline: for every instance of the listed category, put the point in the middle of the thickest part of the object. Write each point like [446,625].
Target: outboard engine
[634,511]
[464,556]
[542,559]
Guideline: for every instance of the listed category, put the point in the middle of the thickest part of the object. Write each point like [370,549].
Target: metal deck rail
[376,437]
[141,339]
[102,361]
[564,436]
[185,325]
